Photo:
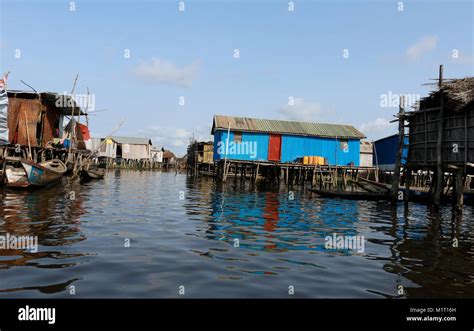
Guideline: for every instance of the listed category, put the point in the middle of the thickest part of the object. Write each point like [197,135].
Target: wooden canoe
[93,173]
[382,186]
[41,174]
[369,187]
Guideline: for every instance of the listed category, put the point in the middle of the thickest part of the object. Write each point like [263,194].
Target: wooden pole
[408,181]
[73,133]
[439,144]
[226,152]
[313,179]
[28,136]
[376,162]
[459,190]
[398,162]
[466,141]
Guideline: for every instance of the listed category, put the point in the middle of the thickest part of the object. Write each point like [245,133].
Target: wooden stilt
[408,181]
[398,162]
[439,145]
[459,190]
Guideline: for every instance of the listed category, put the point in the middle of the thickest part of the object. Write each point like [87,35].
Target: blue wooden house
[250,139]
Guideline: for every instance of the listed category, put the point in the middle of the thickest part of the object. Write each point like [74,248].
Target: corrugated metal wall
[23,113]
[107,149]
[293,147]
[217,139]
[254,146]
[385,152]
[3,117]
[366,154]
[135,152]
[41,119]
[298,146]
[366,160]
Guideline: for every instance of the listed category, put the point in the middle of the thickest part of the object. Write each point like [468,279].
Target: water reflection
[435,254]
[226,241]
[272,221]
[408,241]
[51,217]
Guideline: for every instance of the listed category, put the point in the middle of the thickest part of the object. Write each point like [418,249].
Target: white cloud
[424,45]
[163,72]
[302,111]
[378,128]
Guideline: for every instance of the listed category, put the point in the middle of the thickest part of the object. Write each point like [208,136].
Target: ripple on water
[130,235]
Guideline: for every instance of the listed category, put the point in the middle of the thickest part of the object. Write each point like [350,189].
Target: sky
[167,71]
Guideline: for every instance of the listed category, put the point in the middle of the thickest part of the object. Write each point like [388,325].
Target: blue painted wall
[292,147]
[386,150]
[256,144]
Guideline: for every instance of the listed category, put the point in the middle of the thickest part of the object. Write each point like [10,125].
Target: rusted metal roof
[64,108]
[168,155]
[222,122]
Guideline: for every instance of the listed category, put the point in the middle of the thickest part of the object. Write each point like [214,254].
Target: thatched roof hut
[458,126]
[458,94]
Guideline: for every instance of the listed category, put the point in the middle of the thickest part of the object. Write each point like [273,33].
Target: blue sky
[190,54]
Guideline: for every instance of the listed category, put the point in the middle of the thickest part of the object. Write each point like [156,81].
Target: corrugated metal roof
[132,140]
[289,127]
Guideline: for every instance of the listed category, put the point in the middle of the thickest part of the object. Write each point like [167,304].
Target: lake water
[145,234]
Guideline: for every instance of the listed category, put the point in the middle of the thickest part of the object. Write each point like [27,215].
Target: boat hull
[98,173]
[44,174]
